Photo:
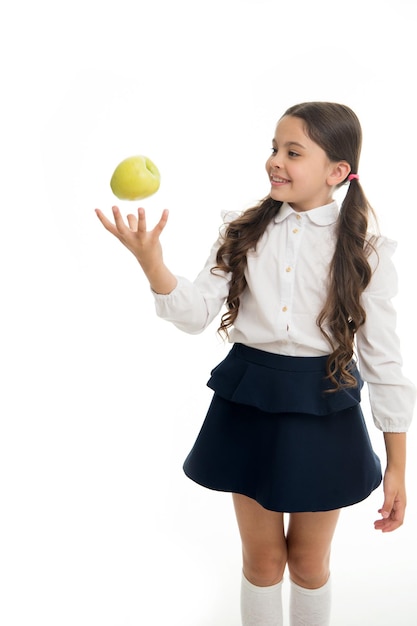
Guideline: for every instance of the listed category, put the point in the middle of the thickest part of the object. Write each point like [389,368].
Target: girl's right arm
[190,306]
[144,245]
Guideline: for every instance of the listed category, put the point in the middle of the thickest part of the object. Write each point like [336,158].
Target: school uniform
[272,431]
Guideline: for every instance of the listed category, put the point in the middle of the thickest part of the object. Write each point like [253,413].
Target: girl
[305,286]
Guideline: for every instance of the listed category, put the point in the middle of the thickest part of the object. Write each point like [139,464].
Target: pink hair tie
[353,177]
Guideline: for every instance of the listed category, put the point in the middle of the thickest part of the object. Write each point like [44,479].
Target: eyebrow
[291,143]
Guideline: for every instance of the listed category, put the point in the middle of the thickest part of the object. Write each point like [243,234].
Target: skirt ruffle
[280,384]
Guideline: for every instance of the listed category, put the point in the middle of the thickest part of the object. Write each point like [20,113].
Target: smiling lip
[277,181]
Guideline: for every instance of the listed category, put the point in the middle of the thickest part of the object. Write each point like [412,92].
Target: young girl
[305,286]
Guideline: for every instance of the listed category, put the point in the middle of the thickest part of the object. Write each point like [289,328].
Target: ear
[339,171]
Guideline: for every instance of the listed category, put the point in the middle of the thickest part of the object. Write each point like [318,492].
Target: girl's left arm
[395,499]
[392,395]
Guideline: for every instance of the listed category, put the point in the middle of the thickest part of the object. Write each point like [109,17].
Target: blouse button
[295,231]
[288,269]
[284,308]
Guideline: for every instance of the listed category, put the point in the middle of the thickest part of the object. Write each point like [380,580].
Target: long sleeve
[392,396]
[192,306]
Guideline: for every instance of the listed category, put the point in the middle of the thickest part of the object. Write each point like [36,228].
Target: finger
[388,507]
[132,220]
[387,526]
[108,225]
[162,222]
[118,219]
[393,521]
[385,512]
[382,525]
[141,220]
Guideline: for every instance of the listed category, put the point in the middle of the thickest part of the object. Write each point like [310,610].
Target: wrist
[395,445]
[160,279]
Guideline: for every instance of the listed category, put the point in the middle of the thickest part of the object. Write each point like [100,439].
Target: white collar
[322,215]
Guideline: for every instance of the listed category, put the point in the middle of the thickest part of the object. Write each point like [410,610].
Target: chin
[278,195]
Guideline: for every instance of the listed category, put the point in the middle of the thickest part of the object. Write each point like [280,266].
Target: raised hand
[144,245]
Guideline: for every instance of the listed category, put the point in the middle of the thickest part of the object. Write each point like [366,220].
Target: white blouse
[287,278]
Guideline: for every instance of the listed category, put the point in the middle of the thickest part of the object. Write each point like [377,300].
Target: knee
[264,569]
[309,570]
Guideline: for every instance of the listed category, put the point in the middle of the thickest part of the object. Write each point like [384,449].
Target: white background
[101,401]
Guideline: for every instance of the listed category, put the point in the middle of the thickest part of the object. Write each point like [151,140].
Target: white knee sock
[310,607]
[261,606]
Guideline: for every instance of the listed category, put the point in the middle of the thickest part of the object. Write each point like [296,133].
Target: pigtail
[350,273]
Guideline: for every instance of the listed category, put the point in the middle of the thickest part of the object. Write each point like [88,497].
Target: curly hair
[336,129]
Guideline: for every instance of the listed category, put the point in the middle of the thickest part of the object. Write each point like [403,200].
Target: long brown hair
[336,129]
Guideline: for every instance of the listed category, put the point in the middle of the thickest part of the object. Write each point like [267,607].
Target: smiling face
[299,169]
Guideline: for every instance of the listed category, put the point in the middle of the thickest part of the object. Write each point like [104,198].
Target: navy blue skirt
[273,434]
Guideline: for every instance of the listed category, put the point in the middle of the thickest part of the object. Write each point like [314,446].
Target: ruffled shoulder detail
[229,216]
[381,248]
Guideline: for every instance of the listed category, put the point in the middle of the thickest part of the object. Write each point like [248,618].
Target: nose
[275,160]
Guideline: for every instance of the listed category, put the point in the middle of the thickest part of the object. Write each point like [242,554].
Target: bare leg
[264,546]
[309,539]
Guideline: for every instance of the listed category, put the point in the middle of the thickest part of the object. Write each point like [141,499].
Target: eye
[274,150]
[293,154]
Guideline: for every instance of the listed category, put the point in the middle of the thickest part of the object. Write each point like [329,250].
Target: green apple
[135,178]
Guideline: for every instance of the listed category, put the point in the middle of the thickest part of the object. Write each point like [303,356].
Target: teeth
[279,180]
